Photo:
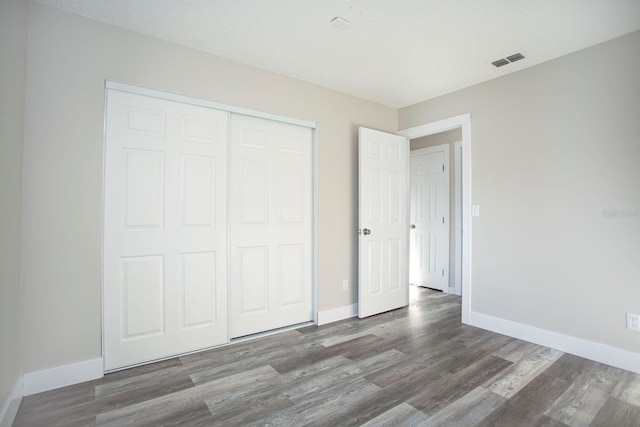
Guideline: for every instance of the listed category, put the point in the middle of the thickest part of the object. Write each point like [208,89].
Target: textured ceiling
[395,52]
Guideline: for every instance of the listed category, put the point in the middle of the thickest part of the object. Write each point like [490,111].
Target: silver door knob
[366,231]
[412,226]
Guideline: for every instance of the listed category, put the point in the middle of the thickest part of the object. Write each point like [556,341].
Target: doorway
[463,160]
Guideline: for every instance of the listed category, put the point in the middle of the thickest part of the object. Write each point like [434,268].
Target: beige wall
[449,138]
[13,42]
[68,60]
[552,147]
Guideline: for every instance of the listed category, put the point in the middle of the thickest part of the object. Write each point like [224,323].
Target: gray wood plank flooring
[417,366]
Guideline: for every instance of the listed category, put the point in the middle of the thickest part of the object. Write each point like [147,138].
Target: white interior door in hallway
[429,241]
[383,222]
[270,225]
[165,225]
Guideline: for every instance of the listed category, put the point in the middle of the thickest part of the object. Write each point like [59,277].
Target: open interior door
[383,222]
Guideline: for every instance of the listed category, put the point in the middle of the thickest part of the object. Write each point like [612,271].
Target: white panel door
[383,218]
[270,225]
[165,221]
[429,241]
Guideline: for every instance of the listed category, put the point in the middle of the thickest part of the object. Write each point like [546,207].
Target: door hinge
[443,272]
[443,220]
[443,167]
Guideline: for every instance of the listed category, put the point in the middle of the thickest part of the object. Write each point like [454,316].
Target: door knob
[366,231]
[412,226]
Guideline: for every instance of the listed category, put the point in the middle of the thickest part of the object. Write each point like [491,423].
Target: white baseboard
[61,376]
[566,343]
[340,313]
[11,405]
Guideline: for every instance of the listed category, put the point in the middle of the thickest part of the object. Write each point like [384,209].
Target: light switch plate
[475,210]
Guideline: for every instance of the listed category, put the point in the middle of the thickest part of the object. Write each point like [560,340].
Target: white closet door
[164,229]
[269,225]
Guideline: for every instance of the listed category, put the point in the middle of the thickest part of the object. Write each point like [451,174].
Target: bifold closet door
[165,225]
[270,225]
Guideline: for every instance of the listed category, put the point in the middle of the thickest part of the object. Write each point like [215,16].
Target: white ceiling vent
[340,22]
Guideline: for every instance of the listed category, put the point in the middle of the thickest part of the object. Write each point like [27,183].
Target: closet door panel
[165,229]
[269,214]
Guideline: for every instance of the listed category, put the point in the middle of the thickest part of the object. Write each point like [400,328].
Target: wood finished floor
[417,366]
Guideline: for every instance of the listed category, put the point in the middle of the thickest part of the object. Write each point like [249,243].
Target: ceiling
[395,52]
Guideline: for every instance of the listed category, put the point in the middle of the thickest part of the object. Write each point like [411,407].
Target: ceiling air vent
[508,60]
[500,63]
[515,57]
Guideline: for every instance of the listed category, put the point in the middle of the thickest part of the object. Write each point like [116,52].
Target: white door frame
[463,122]
[109,84]
[457,220]
[455,192]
